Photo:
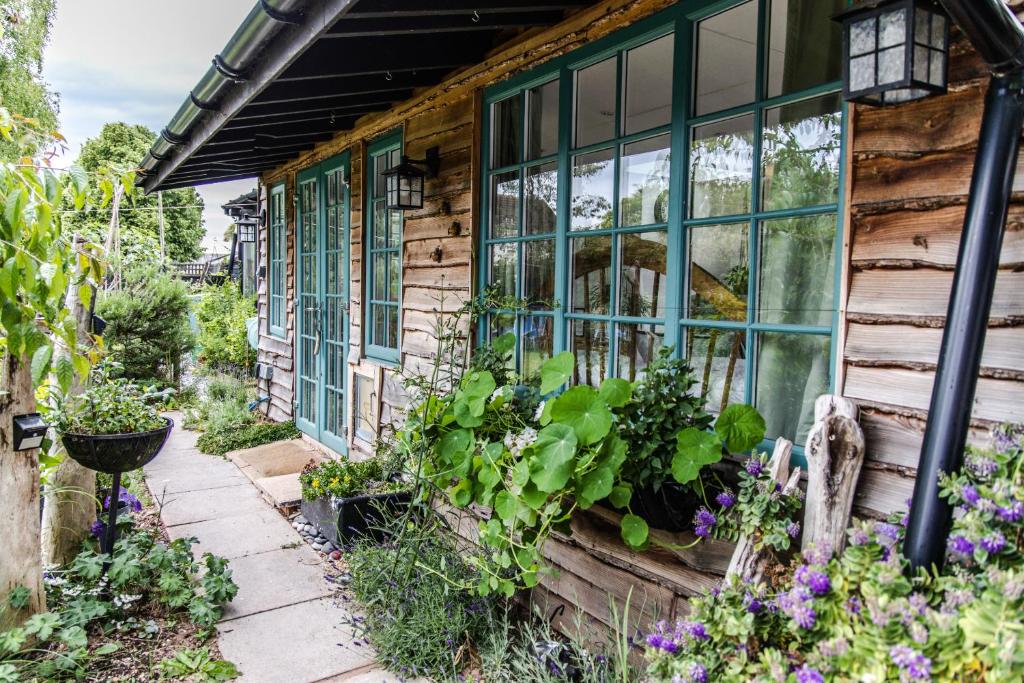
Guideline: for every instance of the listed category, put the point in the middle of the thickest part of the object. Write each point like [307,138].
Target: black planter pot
[115,453]
[343,520]
[670,508]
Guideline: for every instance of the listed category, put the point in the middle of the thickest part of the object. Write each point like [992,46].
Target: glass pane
[792,371]
[800,157]
[379,324]
[593,184]
[862,72]
[718,359]
[862,37]
[394,228]
[797,270]
[636,347]
[719,271]
[539,273]
[722,167]
[504,264]
[506,128]
[726,59]
[794,62]
[380,224]
[891,64]
[543,121]
[392,341]
[589,343]
[537,342]
[505,204]
[502,323]
[380,164]
[591,274]
[380,275]
[892,28]
[644,275]
[595,103]
[541,198]
[644,181]
[394,277]
[648,85]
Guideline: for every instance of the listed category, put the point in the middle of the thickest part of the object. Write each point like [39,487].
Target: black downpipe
[231,259]
[970,304]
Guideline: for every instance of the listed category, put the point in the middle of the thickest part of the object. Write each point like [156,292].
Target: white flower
[540,410]
[520,441]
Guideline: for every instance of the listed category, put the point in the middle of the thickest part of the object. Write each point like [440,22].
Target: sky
[136,61]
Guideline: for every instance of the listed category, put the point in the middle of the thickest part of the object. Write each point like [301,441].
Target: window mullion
[566,114]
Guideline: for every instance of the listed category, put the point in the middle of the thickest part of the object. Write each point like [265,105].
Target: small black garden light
[29,431]
[894,51]
[404,182]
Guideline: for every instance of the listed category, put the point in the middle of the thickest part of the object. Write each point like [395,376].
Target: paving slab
[373,674]
[283,489]
[300,643]
[193,477]
[271,460]
[277,578]
[189,507]
[239,535]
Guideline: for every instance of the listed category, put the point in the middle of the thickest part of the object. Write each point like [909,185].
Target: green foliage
[223,338]
[737,429]
[24,31]
[121,145]
[246,436]
[761,510]
[197,665]
[109,405]
[148,324]
[226,421]
[662,405]
[346,478]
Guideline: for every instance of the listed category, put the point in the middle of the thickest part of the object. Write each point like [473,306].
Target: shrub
[223,338]
[148,325]
[345,478]
[109,405]
[221,441]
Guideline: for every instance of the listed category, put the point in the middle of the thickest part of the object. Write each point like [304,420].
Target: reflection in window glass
[718,358]
[543,120]
[591,274]
[648,85]
[595,103]
[589,343]
[504,264]
[593,187]
[644,182]
[507,131]
[537,339]
[719,271]
[794,62]
[636,346]
[644,274]
[505,204]
[726,59]
[722,167]
[797,270]
[380,272]
[800,154]
[541,198]
[539,273]
[380,224]
[792,371]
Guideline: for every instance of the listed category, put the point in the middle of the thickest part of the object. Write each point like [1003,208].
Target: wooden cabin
[650,173]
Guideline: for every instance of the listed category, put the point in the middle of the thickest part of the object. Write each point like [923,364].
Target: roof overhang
[298,72]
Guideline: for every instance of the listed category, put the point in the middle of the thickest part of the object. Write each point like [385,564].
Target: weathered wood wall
[911,173]
[275,351]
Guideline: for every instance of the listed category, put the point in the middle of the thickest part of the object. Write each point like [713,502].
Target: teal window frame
[372,348]
[277,317]
[681,20]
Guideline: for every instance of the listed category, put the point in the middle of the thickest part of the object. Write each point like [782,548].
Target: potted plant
[348,499]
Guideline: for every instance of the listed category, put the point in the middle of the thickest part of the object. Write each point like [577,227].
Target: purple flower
[913,665]
[819,583]
[97,528]
[698,673]
[806,674]
[982,467]
[124,496]
[695,630]
[702,531]
[970,495]
[752,604]
[795,604]
[804,616]
[993,543]
[725,499]
[853,605]
[753,467]
[859,537]
[888,533]
[961,546]
[705,518]
[1012,514]
[793,529]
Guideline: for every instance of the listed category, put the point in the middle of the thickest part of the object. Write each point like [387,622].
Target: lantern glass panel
[892,28]
[862,72]
[891,65]
[862,36]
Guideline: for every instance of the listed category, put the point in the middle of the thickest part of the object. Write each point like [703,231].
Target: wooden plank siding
[911,173]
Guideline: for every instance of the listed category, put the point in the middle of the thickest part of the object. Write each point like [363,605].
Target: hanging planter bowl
[116,453]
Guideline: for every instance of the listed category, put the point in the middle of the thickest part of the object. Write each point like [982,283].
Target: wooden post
[20,558]
[834,452]
[160,214]
[749,561]
[70,507]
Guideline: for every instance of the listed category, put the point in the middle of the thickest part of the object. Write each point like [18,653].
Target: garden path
[286,625]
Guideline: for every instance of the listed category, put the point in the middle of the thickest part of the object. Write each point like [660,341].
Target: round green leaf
[740,427]
[583,409]
[554,453]
[504,343]
[695,448]
[478,385]
[556,371]
[634,531]
[454,441]
[505,506]
[595,486]
[615,391]
[620,495]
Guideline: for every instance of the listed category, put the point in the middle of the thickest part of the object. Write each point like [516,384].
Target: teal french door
[322,272]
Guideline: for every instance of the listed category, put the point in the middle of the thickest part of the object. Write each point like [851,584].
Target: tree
[24,30]
[122,146]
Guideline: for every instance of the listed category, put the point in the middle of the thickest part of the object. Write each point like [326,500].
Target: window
[383,238]
[277,248]
[677,185]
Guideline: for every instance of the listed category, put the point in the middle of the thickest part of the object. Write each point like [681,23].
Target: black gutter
[999,39]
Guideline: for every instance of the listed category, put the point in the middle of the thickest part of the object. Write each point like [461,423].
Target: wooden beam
[391,8]
[354,26]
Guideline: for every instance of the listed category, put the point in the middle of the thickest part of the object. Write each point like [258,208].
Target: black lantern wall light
[403,183]
[246,229]
[894,51]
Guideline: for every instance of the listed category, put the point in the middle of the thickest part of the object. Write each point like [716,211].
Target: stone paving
[285,625]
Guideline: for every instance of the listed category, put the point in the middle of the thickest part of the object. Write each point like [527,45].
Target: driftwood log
[834,452]
[748,560]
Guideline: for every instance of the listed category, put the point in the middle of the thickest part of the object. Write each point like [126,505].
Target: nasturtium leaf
[554,452]
[545,414]
[613,453]
[620,495]
[583,409]
[466,414]
[505,506]
[556,371]
[504,343]
[615,391]
[534,497]
[462,462]
[740,427]
[521,473]
[41,363]
[695,448]
[634,531]
[595,486]
[461,494]
[478,385]
[454,441]
[488,476]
